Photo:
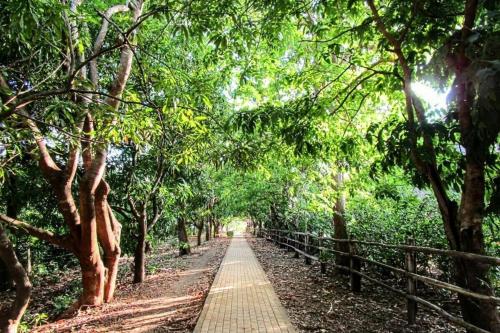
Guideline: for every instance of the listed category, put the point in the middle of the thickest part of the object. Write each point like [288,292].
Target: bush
[230,233]
[394,220]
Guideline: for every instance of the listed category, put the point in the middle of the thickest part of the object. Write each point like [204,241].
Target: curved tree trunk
[112,257]
[108,232]
[10,323]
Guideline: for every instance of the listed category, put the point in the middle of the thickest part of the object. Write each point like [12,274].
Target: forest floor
[170,299]
[324,303]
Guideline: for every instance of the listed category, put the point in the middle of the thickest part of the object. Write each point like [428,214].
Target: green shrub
[230,233]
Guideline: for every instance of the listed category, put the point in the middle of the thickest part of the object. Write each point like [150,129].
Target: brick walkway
[241,298]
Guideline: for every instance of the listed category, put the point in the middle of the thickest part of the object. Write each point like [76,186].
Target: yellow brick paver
[241,298]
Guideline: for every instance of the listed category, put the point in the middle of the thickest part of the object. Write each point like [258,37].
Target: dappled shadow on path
[170,300]
[139,316]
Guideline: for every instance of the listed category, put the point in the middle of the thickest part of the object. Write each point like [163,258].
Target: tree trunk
[199,226]
[207,230]
[12,205]
[473,275]
[184,247]
[10,322]
[339,223]
[216,228]
[140,252]
[93,278]
[28,261]
[108,232]
[5,279]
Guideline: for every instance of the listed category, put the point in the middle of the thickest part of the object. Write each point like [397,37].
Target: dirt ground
[170,300]
[324,303]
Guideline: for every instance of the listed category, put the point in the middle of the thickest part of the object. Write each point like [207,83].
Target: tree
[92,223]
[144,201]
[16,270]
[462,223]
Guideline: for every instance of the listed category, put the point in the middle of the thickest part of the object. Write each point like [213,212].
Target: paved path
[241,298]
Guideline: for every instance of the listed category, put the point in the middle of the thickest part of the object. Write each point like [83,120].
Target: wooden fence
[315,248]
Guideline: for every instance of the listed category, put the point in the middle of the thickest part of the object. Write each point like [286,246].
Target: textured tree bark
[93,280]
[184,247]
[10,323]
[339,223]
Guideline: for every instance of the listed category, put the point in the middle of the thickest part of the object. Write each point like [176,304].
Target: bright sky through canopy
[435,99]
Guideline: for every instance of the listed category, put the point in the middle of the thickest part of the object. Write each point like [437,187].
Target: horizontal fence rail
[315,248]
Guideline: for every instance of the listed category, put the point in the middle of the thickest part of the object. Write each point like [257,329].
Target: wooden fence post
[354,264]
[321,256]
[411,284]
[295,245]
[306,249]
[288,248]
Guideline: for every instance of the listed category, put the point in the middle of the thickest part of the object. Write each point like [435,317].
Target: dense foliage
[380,117]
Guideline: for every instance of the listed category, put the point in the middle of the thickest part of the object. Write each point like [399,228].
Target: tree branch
[42,234]
[94,76]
